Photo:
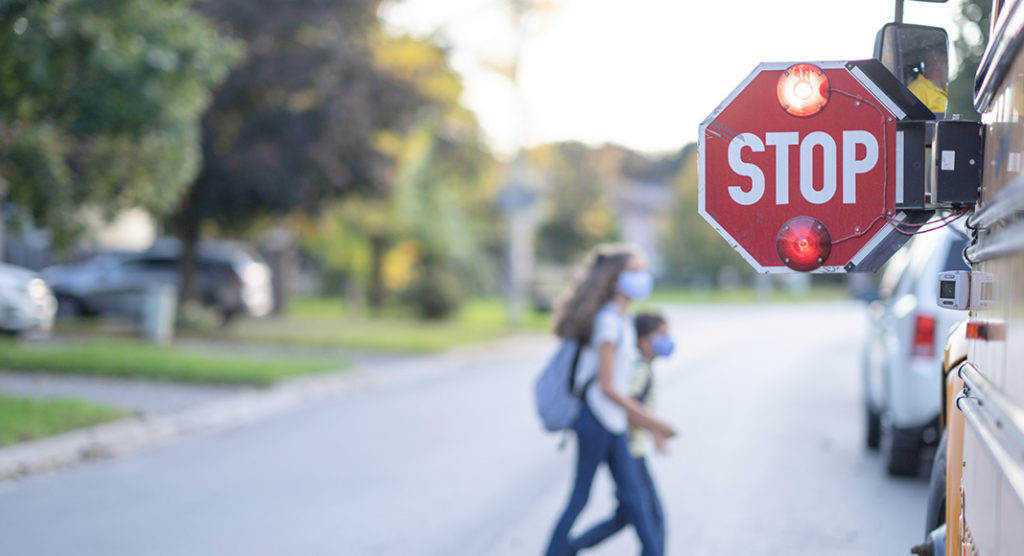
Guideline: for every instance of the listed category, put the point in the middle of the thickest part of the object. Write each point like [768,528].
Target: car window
[161,264]
[893,273]
[919,251]
[955,256]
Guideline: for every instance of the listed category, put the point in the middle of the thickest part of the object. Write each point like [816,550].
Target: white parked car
[27,305]
[902,359]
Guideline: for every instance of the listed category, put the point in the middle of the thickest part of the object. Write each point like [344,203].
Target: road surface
[447,458]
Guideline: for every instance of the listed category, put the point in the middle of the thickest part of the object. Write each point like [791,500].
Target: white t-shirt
[610,325]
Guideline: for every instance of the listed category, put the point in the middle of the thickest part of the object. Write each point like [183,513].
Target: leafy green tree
[297,122]
[693,250]
[579,200]
[439,212]
[100,103]
[973,24]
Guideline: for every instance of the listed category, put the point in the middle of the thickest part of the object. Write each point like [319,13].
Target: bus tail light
[924,336]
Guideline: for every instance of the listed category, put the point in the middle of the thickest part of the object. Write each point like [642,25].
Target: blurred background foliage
[100,103]
[234,117]
[973,23]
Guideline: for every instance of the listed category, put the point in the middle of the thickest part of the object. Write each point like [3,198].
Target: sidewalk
[171,411]
[145,397]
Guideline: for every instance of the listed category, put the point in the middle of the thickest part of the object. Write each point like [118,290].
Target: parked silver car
[27,305]
[901,363]
[230,278]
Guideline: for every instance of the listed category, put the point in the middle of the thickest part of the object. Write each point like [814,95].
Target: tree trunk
[189,244]
[2,223]
[186,223]
[378,247]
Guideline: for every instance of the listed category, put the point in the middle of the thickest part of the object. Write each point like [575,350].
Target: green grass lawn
[136,359]
[23,419]
[318,322]
[325,322]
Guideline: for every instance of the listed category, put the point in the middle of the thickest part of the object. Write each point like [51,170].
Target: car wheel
[901,450]
[69,307]
[935,513]
[872,427]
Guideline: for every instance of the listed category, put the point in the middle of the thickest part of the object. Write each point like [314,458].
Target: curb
[134,434]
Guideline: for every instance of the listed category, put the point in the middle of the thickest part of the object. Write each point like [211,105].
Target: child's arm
[636,414]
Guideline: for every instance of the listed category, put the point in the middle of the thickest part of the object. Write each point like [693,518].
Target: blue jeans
[597,445]
[618,521]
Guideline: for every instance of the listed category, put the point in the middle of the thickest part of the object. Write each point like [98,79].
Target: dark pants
[597,445]
[618,521]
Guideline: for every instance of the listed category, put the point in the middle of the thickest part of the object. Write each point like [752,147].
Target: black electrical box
[956,162]
[910,164]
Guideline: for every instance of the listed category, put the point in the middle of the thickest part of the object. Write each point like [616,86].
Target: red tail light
[924,336]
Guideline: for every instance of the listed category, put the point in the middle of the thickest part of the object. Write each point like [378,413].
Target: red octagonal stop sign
[798,167]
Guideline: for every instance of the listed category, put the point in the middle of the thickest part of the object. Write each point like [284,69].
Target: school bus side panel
[993,514]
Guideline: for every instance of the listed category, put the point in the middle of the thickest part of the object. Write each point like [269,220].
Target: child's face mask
[662,345]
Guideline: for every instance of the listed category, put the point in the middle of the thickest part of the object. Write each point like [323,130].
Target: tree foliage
[973,24]
[296,123]
[429,234]
[100,103]
[693,250]
[579,198]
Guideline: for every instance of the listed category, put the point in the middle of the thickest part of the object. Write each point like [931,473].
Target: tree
[100,103]
[297,122]
[693,250]
[579,198]
[973,24]
[439,212]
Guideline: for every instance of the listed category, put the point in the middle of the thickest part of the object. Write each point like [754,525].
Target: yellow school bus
[984,388]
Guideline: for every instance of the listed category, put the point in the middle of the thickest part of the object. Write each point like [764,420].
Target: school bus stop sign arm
[798,166]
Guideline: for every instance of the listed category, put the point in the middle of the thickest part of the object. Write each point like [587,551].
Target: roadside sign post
[800,167]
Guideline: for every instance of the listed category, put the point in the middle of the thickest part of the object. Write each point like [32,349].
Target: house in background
[32,247]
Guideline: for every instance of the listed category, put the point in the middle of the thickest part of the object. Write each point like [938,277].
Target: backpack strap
[575,363]
[583,391]
[642,397]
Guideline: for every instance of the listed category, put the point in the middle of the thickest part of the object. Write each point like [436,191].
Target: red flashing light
[803,90]
[924,336]
[803,243]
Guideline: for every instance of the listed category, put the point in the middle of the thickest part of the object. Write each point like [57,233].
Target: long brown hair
[594,284]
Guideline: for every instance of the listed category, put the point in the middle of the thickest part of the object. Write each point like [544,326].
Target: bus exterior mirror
[918,56]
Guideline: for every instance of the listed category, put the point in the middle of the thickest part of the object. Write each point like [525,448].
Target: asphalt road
[447,458]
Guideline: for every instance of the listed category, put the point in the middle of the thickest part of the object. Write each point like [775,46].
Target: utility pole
[3,221]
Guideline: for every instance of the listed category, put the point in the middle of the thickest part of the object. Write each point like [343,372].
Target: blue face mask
[636,284]
[662,345]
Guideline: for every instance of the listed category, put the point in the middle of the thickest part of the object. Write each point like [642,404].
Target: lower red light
[803,243]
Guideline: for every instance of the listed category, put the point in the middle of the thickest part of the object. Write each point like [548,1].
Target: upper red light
[803,243]
[803,90]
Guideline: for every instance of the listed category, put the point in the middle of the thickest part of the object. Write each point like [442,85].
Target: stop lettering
[817,193]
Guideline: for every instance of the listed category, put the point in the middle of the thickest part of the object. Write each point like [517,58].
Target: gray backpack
[558,402]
